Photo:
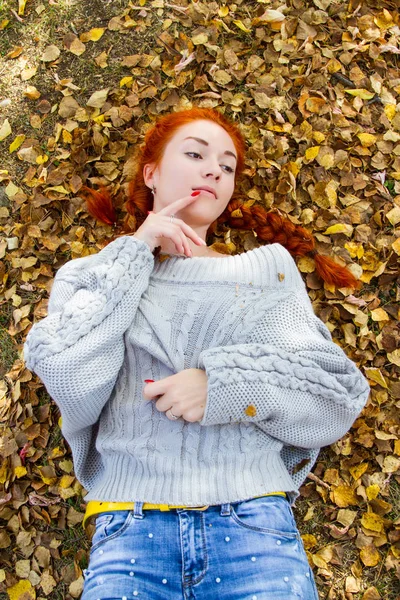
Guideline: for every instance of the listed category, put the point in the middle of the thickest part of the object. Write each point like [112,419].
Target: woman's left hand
[185,393]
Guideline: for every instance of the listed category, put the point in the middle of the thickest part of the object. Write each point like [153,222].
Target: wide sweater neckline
[210,268]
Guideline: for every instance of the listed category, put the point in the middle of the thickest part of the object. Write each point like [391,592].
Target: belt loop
[225,510]
[138,510]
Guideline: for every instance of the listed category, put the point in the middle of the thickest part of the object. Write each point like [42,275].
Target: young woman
[192,476]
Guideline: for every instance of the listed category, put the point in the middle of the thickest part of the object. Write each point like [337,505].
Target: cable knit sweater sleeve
[78,349]
[288,377]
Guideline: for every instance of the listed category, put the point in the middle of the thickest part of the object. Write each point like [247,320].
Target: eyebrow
[206,144]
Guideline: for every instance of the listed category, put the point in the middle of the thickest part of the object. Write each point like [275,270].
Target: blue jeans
[249,550]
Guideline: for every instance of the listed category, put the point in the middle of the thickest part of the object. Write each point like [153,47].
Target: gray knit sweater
[121,316]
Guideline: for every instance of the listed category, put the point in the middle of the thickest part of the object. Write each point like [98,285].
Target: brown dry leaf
[50,53]
[101,60]
[77,47]
[5,129]
[28,73]
[98,98]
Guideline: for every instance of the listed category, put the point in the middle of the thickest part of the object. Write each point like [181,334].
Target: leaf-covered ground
[315,85]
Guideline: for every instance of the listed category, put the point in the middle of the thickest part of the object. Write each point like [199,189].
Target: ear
[148,174]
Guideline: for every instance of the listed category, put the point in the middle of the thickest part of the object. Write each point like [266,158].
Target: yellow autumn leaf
[372,491]
[376,376]
[309,540]
[366,139]
[396,246]
[354,249]
[361,93]
[358,470]
[333,65]
[384,20]
[20,471]
[16,143]
[372,521]
[66,481]
[60,422]
[370,555]
[48,480]
[66,136]
[125,81]
[32,93]
[395,551]
[390,111]
[318,136]
[241,26]
[4,24]
[57,188]
[312,152]
[56,452]
[343,496]
[93,35]
[394,357]
[223,11]
[21,7]
[22,589]
[306,264]
[379,314]
[340,228]
[43,158]
[5,130]
[393,216]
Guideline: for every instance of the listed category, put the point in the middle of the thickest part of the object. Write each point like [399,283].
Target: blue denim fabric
[249,550]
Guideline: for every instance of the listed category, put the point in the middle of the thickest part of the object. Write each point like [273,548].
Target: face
[191,163]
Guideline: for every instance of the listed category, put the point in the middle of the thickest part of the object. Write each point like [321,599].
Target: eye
[230,170]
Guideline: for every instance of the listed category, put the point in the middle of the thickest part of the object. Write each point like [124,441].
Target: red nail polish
[149,380]
[196,193]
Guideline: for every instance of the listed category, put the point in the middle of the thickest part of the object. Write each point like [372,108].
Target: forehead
[206,130]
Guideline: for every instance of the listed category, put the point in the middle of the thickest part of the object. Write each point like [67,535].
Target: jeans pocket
[110,525]
[268,514]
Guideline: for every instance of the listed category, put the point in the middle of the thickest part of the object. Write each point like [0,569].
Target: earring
[153,190]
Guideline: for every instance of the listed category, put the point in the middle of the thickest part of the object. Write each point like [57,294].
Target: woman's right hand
[159,225]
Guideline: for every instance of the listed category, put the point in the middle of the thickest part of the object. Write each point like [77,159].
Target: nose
[213,170]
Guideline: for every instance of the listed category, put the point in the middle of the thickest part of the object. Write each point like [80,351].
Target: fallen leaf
[93,35]
[5,130]
[50,53]
[98,98]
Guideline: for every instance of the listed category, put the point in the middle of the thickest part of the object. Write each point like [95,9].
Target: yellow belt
[95,507]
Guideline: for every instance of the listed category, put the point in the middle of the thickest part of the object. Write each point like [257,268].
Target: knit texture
[279,387]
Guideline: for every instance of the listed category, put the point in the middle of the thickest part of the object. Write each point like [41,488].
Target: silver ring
[174,417]
[171,218]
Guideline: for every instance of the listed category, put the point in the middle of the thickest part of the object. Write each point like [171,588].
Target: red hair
[270,226]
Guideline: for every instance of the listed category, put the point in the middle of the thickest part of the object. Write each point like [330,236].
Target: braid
[272,227]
